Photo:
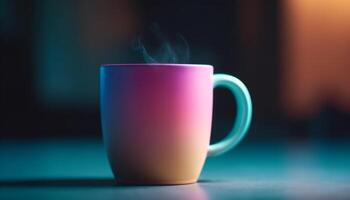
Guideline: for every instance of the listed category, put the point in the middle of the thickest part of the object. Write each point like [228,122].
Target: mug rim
[156,65]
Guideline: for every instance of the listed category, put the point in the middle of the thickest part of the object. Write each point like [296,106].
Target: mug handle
[243,116]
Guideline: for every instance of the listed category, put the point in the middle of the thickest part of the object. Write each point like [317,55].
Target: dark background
[51,51]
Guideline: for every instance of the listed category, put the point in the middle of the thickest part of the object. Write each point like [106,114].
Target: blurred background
[293,56]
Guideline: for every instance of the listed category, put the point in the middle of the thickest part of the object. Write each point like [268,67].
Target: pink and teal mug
[156,120]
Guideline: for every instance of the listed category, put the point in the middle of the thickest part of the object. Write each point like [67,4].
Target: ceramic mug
[156,120]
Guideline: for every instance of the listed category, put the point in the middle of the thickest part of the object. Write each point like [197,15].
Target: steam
[163,51]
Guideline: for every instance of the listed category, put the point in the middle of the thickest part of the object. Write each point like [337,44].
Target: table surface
[78,169]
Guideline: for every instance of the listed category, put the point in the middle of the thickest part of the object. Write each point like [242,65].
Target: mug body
[156,121]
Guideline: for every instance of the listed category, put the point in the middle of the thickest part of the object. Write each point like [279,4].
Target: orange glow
[315,55]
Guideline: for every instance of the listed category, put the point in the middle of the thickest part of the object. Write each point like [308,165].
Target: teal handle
[243,116]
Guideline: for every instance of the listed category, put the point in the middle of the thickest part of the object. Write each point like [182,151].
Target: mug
[156,120]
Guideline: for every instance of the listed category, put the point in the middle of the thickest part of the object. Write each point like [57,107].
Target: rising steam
[163,50]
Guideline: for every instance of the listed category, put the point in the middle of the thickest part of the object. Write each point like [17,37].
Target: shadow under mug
[156,120]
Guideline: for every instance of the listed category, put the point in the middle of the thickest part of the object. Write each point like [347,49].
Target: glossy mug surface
[156,120]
